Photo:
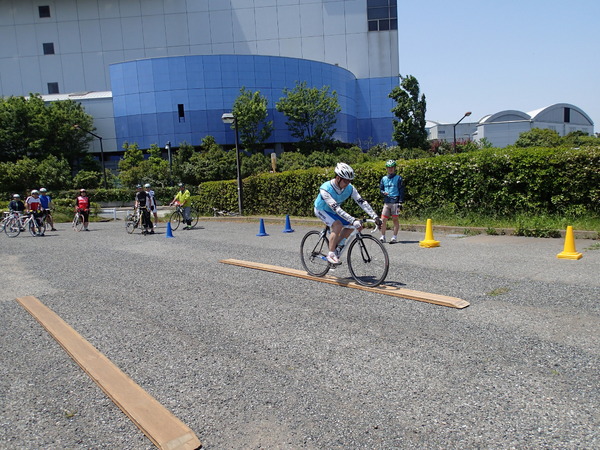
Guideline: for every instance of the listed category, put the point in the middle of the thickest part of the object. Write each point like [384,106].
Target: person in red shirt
[82,204]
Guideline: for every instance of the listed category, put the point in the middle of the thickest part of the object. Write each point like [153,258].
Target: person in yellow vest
[183,198]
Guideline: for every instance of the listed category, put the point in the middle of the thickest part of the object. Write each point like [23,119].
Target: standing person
[152,206]
[82,204]
[47,207]
[392,189]
[33,204]
[183,198]
[142,201]
[16,204]
[332,194]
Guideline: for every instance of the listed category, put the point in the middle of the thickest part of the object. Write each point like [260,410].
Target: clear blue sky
[486,56]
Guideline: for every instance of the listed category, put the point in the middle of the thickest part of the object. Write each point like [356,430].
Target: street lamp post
[168,149]
[467,114]
[230,118]
[76,126]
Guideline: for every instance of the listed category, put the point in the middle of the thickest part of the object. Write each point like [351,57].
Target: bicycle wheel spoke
[313,250]
[368,261]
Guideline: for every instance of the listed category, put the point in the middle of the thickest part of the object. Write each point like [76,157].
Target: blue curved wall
[146,95]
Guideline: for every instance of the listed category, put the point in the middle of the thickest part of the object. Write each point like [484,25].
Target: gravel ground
[251,359]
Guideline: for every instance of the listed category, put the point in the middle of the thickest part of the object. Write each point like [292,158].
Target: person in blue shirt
[392,189]
[46,202]
[328,208]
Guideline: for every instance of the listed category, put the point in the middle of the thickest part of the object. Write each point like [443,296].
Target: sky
[486,56]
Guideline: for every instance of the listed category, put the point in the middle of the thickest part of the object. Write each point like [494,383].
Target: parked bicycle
[176,217]
[368,260]
[16,223]
[224,213]
[133,221]
[78,220]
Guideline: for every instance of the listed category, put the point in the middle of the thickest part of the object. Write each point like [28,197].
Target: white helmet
[147,185]
[16,196]
[35,191]
[43,190]
[344,171]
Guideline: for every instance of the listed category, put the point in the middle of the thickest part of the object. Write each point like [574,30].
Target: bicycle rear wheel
[195,215]
[313,253]
[12,227]
[175,219]
[368,261]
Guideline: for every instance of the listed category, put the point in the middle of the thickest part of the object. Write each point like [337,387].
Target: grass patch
[595,246]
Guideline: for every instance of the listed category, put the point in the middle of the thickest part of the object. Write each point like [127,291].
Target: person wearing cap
[328,208]
[82,204]
[34,205]
[142,201]
[46,201]
[16,205]
[391,187]
[183,198]
[152,206]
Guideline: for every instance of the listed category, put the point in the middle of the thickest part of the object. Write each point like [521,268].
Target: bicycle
[5,217]
[368,260]
[17,223]
[78,220]
[176,217]
[133,220]
[224,213]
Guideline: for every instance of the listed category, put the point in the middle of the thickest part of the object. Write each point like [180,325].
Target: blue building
[170,69]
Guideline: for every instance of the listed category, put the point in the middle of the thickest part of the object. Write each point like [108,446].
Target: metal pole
[239,168]
[168,147]
[467,114]
[102,158]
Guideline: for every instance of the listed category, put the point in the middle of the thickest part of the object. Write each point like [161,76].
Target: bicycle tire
[78,222]
[12,228]
[195,216]
[130,226]
[368,261]
[175,219]
[313,248]
[36,227]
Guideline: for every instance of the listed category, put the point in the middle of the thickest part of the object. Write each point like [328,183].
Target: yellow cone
[569,252]
[429,242]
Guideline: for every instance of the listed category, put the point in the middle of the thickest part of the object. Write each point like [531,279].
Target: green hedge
[497,182]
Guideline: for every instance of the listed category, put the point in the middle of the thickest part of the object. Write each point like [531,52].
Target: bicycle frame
[354,235]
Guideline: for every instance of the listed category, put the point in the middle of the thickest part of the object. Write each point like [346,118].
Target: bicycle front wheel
[313,253]
[368,261]
[36,227]
[78,222]
[175,220]
[12,227]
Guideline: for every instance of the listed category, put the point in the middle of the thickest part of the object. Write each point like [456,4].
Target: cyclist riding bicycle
[183,198]
[82,205]
[332,194]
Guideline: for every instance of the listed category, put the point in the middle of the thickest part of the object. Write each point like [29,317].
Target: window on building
[44,11]
[48,48]
[382,15]
[567,115]
[181,112]
[53,88]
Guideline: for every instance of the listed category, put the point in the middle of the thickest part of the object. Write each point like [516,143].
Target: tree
[409,127]
[250,110]
[130,167]
[311,114]
[31,128]
[539,137]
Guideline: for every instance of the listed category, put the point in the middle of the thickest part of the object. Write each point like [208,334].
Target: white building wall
[89,35]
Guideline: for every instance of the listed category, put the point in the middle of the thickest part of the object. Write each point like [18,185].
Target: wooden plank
[164,429]
[436,299]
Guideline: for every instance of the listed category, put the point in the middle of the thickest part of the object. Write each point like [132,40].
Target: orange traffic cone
[569,252]
[429,242]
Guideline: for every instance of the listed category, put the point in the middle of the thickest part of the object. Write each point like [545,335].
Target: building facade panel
[265,45]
